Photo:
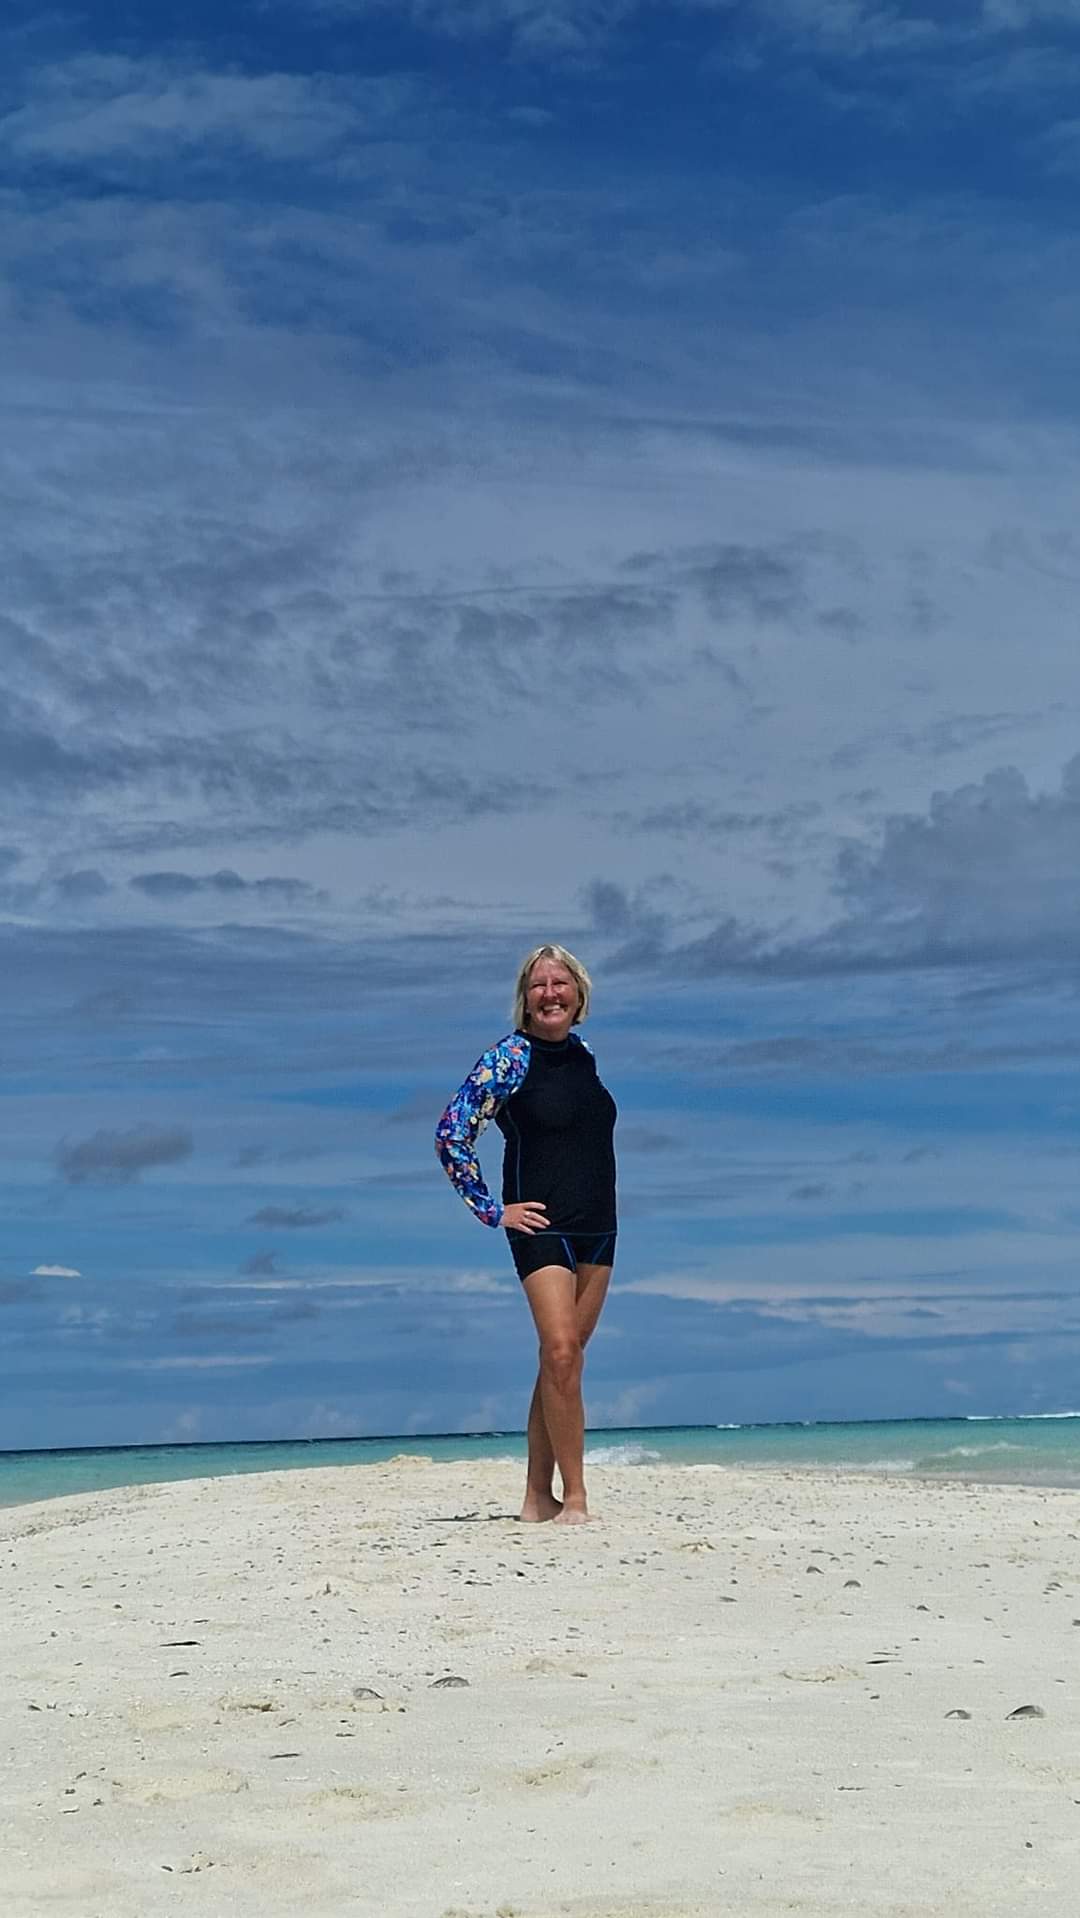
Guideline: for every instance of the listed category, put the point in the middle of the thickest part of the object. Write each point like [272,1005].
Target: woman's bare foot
[574,1515]
[539,1506]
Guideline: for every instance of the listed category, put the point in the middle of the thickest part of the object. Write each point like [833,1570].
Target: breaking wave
[621,1455]
[946,1461]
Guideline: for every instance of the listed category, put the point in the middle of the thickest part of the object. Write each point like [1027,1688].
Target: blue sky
[498,470]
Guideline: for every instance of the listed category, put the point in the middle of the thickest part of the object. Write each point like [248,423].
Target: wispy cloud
[216,1362]
[120,1158]
[293,1217]
[568,30]
[97,108]
[545,28]
[943,1310]
[224,883]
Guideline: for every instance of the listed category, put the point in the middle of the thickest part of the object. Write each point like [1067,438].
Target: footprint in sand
[565,1774]
[169,1718]
[577,1774]
[750,1810]
[361,1801]
[172,1787]
[824,1675]
[586,1908]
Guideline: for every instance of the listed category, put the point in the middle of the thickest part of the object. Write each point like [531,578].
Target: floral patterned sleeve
[497,1074]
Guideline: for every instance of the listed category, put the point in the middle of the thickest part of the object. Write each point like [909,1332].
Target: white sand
[628,1744]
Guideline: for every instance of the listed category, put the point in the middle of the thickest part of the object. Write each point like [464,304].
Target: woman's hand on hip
[527,1215]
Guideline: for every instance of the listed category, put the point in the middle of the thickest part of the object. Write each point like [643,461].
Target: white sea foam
[979,1451]
[879,1465]
[629,1454]
[820,1464]
[622,1455]
[1018,1418]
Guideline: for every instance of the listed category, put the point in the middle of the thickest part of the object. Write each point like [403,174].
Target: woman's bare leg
[566,1307]
[540,1501]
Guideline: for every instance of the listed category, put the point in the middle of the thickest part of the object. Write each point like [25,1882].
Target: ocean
[1043,1450]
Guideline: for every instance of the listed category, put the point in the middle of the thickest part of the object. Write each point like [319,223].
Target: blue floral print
[496,1075]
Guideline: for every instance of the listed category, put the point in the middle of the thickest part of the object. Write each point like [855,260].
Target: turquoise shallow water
[1027,1451]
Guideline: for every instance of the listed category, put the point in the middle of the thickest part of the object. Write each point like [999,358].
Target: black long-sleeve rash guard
[558,1121]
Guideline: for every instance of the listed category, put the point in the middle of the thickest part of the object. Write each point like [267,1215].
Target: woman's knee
[560,1356]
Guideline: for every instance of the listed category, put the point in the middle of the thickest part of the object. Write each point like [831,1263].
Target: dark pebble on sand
[448,1684]
[1028,1711]
[365,1691]
[958,1712]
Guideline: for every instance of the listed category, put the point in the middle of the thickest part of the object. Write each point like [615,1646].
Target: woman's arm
[494,1077]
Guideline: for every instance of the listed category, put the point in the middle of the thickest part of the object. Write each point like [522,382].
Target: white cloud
[547,28]
[628,1406]
[185,1429]
[1016,16]
[222,1362]
[988,873]
[55,1272]
[567,29]
[705,671]
[1061,145]
[86,1318]
[97,107]
[920,1285]
[851,27]
[330,1421]
[406,1279]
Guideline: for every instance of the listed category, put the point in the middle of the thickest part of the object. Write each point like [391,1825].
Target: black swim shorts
[531,1250]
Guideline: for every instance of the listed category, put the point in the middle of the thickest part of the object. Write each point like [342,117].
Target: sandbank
[742,1692]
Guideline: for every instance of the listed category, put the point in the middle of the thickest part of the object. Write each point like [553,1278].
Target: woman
[541,1087]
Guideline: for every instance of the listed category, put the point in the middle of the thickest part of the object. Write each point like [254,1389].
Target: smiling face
[552,1000]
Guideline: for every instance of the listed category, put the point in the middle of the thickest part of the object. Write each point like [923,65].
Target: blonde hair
[563,958]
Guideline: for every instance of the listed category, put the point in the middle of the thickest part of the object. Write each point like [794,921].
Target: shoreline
[730,1696]
[884,1473]
[1040,1450]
